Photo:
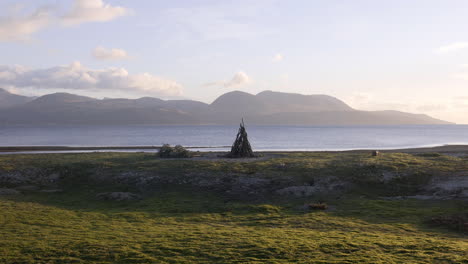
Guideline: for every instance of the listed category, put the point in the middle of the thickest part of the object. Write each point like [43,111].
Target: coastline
[4,150]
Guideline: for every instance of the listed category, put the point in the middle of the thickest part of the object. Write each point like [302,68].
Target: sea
[262,138]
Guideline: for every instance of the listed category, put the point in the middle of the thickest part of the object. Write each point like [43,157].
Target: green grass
[180,224]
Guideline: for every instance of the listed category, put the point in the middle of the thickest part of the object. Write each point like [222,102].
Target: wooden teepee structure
[241,147]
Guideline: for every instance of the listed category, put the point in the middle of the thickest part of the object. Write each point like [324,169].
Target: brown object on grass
[318,206]
[457,222]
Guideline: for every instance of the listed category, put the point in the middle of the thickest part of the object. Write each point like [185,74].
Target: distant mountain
[291,102]
[64,108]
[265,108]
[8,99]
[230,106]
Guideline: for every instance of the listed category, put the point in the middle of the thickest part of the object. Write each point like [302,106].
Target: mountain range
[265,108]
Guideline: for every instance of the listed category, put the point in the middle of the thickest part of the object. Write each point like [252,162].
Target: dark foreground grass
[182,225]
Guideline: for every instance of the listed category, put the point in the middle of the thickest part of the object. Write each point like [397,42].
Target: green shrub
[166,151]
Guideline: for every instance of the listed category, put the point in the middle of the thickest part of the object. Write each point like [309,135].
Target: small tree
[241,147]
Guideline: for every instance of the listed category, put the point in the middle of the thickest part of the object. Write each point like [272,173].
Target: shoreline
[66,149]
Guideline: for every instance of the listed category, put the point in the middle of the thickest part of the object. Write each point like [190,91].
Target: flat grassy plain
[177,223]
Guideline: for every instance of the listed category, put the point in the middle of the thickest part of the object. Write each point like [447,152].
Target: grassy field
[180,223]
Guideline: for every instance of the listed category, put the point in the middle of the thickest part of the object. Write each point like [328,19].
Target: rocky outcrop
[118,196]
[6,191]
[28,177]
[251,185]
[453,185]
[298,191]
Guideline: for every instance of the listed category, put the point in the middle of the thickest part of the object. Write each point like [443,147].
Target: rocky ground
[419,175]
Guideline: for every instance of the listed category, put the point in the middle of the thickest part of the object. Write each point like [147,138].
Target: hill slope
[265,108]
[8,99]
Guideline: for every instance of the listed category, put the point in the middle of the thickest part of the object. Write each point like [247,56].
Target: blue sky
[403,55]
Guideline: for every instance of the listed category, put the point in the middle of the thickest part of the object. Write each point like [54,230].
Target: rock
[5,191]
[118,196]
[28,188]
[252,182]
[463,194]
[28,177]
[13,178]
[424,197]
[281,166]
[54,177]
[51,191]
[298,191]
[417,197]
[388,176]
[449,185]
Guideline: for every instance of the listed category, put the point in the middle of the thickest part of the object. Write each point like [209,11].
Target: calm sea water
[261,137]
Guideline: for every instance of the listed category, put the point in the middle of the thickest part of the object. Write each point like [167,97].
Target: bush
[166,151]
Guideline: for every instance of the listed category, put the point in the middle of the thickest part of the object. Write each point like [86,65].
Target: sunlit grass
[183,225]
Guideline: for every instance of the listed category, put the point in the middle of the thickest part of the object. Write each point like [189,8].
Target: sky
[374,55]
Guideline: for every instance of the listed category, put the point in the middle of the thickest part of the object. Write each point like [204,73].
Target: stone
[118,196]
[28,188]
[51,191]
[6,191]
[298,191]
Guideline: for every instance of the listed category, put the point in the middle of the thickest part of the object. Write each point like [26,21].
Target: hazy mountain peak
[8,99]
[64,98]
[237,102]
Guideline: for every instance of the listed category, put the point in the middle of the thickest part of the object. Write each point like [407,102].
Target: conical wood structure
[241,147]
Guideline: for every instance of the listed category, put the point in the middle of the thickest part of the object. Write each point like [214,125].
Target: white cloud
[453,109]
[20,26]
[16,25]
[278,57]
[239,79]
[77,77]
[92,11]
[102,53]
[452,47]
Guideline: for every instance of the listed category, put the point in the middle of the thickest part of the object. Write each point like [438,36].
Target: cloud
[19,26]
[431,107]
[277,58]
[102,53]
[367,101]
[453,47]
[239,79]
[92,11]
[77,77]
